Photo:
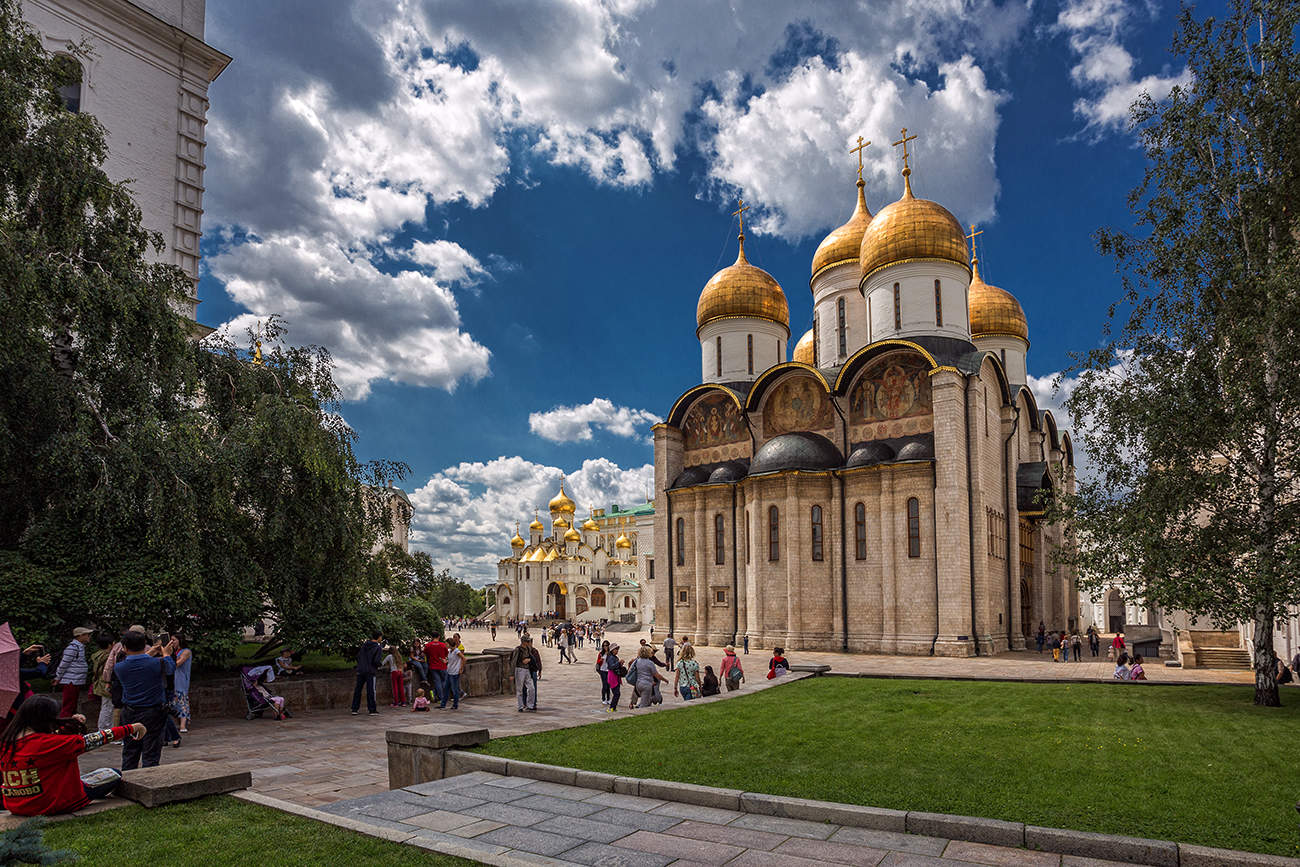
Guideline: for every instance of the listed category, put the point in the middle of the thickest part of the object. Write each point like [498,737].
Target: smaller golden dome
[803,350]
[845,243]
[590,526]
[994,311]
[572,536]
[560,523]
[742,289]
[912,229]
[536,524]
[516,541]
[622,542]
[562,503]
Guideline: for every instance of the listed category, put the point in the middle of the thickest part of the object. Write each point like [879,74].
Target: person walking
[525,660]
[615,671]
[368,662]
[686,680]
[732,673]
[647,677]
[1076,645]
[747,644]
[1041,637]
[670,648]
[181,686]
[435,654]
[1094,641]
[144,697]
[494,633]
[601,672]
[73,670]
[455,665]
[572,641]
[1117,646]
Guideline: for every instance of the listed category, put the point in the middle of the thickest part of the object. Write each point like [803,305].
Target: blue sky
[499,217]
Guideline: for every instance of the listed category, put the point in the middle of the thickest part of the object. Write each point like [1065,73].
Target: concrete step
[1215,657]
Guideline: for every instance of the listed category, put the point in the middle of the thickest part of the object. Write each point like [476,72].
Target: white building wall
[830,285]
[770,340]
[1012,351]
[916,293]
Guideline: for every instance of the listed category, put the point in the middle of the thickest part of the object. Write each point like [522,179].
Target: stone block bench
[181,781]
[814,668]
[416,753]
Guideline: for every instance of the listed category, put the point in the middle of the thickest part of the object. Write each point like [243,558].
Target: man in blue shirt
[144,694]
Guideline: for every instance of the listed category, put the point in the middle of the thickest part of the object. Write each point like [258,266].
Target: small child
[421,702]
[1137,672]
[284,664]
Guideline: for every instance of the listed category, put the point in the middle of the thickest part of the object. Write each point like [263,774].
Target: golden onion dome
[590,526]
[911,229]
[803,350]
[561,524]
[572,536]
[622,542]
[562,503]
[742,289]
[845,243]
[994,311]
[536,524]
[516,541]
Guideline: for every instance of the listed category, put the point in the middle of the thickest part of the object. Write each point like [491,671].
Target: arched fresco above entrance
[891,399]
[797,403]
[714,431]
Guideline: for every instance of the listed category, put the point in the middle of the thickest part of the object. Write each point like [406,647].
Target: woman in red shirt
[38,766]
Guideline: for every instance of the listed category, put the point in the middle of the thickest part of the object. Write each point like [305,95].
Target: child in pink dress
[421,701]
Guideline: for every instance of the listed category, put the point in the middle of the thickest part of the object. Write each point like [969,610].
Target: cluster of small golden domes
[909,229]
[562,505]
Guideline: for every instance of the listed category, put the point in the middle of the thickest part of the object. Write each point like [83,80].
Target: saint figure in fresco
[897,393]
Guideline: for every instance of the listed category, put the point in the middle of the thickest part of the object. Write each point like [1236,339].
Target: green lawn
[223,830]
[1198,764]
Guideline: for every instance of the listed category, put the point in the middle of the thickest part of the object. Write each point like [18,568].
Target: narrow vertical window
[843,328]
[871,326]
[913,527]
[746,537]
[68,74]
[1004,359]
[986,412]
[860,531]
[938,304]
[750,347]
[717,353]
[898,309]
[719,540]
[817,339]
[681,541]
[773,534]
[817,552]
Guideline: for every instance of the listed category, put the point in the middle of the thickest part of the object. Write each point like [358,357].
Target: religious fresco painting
[891,399]
[798,403]
[714,431]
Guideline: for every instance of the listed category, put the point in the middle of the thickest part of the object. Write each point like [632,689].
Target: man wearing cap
[73,670]
[527,664]
[144,697]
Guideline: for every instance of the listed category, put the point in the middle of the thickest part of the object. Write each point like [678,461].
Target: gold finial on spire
[858,150]
[739,214]
[974,256]
[907,169]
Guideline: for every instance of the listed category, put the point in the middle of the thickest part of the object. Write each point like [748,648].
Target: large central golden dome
[741,289]
[844,243]
[562,503]
[912,229]
[994,311]
[803,350]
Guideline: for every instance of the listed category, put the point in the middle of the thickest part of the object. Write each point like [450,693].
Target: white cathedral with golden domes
[884,490]
[568,575]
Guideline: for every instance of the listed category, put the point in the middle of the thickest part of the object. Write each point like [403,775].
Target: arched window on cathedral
[750,338]
[898,309]
[69,75]
[528,572]
[817,552]
[860,531]
[817,339]
[938,305]
[843,328]
[681,541]
[719,540]
[717,353]
[597,598]
[913,527]
[773,534]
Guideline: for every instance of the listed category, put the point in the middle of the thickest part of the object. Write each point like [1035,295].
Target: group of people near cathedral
[643,671]
[430,667]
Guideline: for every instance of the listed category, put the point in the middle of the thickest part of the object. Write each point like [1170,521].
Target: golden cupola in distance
[536,526]
[573,536]
[845,243]
[803,350]
[590,526]
[561,504]
[998,325]
[742,320]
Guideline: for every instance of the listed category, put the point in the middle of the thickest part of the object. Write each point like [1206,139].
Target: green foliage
[145,477]
[1057,755]
[1190,409]
[25,845]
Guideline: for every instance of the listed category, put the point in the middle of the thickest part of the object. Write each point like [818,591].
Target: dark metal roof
[729,472]
[919,450]
[796,451]
[1031,478]
[872,453]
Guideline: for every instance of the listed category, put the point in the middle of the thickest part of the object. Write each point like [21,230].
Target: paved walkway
[501,817]
[320,757]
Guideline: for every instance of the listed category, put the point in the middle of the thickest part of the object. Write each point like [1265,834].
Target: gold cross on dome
[971,237]
[903,141]
[739,213]
[858,150]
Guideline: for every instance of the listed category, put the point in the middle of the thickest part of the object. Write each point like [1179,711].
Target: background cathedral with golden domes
[884,490]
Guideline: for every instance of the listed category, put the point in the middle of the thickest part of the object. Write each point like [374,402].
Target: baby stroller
[257,697]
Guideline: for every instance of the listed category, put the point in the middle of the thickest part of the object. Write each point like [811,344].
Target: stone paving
[499,817]
[320,757]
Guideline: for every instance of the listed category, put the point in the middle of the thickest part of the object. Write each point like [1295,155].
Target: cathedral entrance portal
[555,599]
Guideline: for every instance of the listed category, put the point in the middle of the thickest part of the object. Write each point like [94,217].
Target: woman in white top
[455,665]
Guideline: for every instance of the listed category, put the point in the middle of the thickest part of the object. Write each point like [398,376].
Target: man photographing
[144,696]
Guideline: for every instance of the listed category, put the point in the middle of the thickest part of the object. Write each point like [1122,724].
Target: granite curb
[973,829]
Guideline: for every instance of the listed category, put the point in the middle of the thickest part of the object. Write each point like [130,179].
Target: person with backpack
[98,685]
[778,665]
[615,671]
[602,671]
[644,675]
[732,673]
[686,682]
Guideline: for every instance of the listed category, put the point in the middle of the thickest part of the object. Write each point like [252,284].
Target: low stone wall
[214,695]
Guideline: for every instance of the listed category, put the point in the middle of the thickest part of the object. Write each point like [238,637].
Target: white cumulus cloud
[575,423]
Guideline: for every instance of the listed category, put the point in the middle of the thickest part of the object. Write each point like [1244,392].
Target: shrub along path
[1197,764]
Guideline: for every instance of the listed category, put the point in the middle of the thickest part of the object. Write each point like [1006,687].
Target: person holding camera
[144,696]
[38,760]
